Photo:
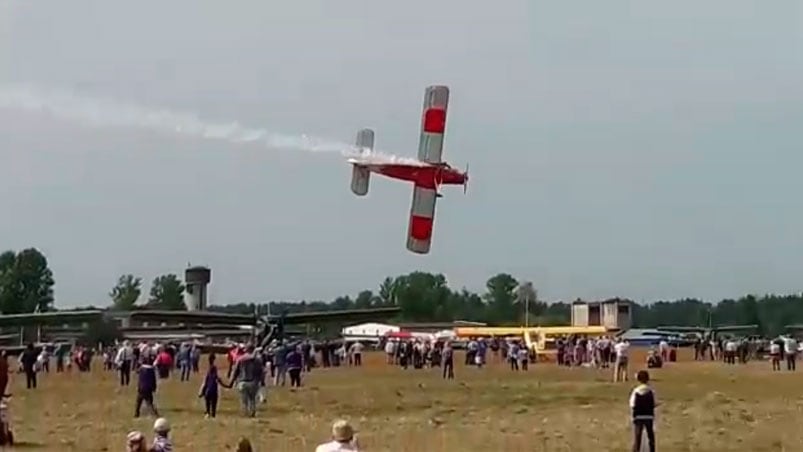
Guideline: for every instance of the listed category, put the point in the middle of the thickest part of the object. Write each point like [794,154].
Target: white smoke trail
[103,112]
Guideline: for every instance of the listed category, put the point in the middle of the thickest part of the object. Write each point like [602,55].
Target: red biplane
[427,173]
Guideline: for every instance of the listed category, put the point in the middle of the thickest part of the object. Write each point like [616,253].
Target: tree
[126,293]
[423,297]
[527,300]
[104,331]
[366,299]
[501,297]
[387,291]
[26,282]
[167,293]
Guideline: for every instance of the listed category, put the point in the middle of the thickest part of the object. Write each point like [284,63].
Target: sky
[648,150]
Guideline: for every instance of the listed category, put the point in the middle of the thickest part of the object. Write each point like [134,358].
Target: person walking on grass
[447,361]
[642,407]
[146,386]
[248,372]
[620,365]
[294,362]
[789,351]
[210,388]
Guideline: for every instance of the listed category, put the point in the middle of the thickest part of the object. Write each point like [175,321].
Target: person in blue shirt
[210,388]
[294,362]
[146,386]
[183,359]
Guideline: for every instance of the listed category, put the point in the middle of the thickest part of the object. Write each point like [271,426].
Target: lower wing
[422,219]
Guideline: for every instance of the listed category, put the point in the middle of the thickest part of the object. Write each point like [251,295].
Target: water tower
[196,279]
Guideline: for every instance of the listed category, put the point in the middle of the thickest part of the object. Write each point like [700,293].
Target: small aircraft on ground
[428,173]
[710,332]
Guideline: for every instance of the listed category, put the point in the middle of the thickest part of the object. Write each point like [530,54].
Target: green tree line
[26,285]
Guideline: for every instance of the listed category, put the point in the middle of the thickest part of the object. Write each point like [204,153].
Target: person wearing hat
[135,442]
[343,439]
[161,442]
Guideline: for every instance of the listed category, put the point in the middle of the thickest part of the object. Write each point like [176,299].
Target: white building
[370,332]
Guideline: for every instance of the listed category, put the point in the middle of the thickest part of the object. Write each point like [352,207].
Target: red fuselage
[429,176]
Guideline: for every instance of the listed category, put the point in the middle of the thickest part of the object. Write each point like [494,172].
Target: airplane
[265,328]
[428,173]
[706,332]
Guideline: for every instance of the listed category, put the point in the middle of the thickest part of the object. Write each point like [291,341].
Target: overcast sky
[641,149]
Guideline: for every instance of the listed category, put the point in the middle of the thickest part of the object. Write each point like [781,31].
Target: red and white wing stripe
[422,218]
[430,150]
[433,124]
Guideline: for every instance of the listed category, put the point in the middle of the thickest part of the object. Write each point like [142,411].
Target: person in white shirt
[343,439]
[390,351]
[123,360]
[790,351]
[775,355]
[43,360]
[730,351]
[356,353]
[663,348]
[620,368]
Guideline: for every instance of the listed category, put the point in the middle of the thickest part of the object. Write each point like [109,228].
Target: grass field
[706,407]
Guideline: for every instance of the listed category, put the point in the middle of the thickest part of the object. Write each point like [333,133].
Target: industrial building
[614,314]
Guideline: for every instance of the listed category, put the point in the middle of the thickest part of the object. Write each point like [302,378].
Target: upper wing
[50,318]
[433,124]
[336,316]
[422,218]
[736,327]
[197,317]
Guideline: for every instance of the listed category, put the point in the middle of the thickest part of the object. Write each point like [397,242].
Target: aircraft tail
[361,175]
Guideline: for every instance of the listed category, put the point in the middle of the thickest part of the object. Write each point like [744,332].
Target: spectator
[244,445]
[135,442]
[161,442]
[343,439]
[146,387]
[642,406]
[28,361]
[248,372]
[210,389]
[294,362]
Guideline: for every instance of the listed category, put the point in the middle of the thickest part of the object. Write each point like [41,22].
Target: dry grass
[706,407]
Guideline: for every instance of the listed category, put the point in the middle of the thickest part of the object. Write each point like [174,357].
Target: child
[642,406]
[161,443]
[209,389]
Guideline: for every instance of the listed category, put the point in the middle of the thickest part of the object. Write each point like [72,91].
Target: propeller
[465,180]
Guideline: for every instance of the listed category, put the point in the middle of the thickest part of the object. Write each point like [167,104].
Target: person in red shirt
[164,362]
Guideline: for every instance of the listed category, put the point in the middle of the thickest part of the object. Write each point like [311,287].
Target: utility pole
[525,294]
